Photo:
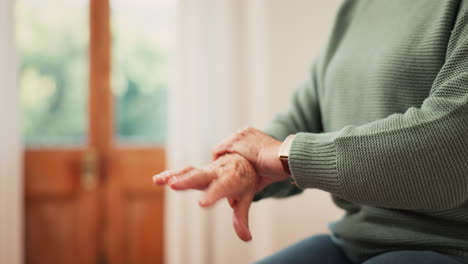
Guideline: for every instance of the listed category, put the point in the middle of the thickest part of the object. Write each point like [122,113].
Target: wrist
[268,165]
[277,168]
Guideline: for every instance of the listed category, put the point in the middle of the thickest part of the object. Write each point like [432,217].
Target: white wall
[11,207]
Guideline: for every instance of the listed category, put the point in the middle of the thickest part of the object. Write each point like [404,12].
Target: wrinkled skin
[242,165]
[231,176]
[258,148]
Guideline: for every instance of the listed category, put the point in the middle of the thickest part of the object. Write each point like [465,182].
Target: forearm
[419,167]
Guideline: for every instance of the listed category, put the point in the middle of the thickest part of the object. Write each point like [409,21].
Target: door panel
[135,206]
[136,166]
[49,226]
[52,173]
[143,228]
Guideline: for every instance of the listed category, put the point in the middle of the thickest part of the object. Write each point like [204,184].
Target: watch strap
[283,153]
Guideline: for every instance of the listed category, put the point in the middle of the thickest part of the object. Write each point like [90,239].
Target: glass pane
[52,38]
[143,34]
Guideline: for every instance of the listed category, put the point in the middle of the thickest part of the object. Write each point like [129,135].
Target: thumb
[240,216]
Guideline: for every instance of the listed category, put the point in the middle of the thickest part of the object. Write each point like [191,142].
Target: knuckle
[243,131]
[185,170]
[246,131]
[229,146]
[214,150]
[238,136]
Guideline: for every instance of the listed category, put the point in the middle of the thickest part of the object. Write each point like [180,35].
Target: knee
[316,249]
[412,257]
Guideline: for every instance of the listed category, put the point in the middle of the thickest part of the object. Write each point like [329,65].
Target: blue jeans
[321,249]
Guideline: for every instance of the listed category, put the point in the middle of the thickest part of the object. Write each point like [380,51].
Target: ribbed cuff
[312,161]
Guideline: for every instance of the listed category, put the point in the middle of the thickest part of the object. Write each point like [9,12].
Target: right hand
[231,176]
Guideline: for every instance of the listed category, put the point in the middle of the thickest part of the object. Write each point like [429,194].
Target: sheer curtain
[238,63]
[10,144]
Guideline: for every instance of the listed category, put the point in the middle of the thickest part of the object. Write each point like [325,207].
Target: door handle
[90,170]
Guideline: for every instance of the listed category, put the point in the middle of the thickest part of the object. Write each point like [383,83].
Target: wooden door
[94,203]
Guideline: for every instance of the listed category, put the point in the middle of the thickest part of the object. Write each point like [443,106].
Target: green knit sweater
[382,124]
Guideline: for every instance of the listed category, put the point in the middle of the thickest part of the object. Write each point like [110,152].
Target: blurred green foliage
[53,40]
[139,83]
[52,44]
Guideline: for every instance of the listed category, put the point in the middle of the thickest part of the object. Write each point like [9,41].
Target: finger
[240,217]
[218,189]
[231,144]
[223,147]
[245,149]
[232,202]
[195,179]
[164,177]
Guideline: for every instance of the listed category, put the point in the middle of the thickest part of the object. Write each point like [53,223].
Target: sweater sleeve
[303,115]
[414,160]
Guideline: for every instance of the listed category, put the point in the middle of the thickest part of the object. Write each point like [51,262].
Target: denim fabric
[320,249]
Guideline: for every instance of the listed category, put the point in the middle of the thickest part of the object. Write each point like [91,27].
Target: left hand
[230,176]
[258,148]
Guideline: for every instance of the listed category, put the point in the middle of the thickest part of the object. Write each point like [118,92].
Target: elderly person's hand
[260,149]
[231,176]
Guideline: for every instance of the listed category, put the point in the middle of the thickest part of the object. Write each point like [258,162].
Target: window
[143,35]
[53,46]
